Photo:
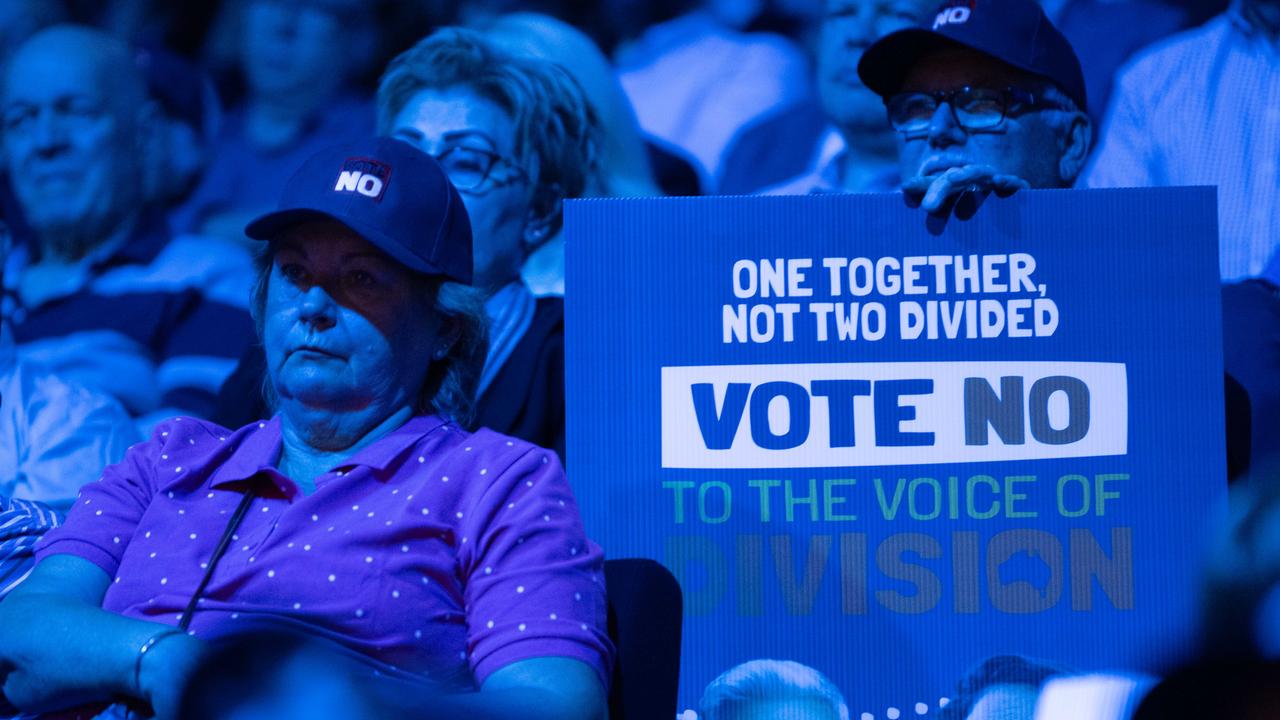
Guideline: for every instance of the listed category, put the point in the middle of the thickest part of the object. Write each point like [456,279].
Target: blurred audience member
[995,103]
[623,169]
[1237,674]
[186,124]
[298,59]
[856,150]
[697,80]
[1201,109]
[516,136]
[1105,33]
[97,293]
[772,690]
[20,19]
[623,164]
[1251,358]
[1241,604]
[1004,687]
[1241,690]
[54,436]
[606,22]
[180,27]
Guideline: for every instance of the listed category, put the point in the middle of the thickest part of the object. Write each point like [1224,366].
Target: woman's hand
[60,649]
[165,670]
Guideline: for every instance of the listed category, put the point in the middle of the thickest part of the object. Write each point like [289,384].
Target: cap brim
[885,64]
[269,226]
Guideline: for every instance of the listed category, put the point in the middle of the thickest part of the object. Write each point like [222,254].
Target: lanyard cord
[218,552]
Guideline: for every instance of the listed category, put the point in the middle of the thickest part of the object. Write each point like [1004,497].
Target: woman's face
[345,327]
[500,208]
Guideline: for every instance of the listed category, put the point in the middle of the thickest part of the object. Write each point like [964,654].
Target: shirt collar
[259,451]
[381,454]
[144,244]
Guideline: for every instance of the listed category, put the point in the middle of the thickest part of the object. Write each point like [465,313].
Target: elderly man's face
[343,325]
[462,129]
[848,28]
[72,148]
[1024,144]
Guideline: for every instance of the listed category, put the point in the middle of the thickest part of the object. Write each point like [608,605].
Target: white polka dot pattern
[490,551]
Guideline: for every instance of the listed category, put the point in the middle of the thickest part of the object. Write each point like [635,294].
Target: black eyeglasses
[974,109]
[469,168]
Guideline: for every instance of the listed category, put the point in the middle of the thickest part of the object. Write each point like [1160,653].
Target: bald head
[92,54]
[75,118]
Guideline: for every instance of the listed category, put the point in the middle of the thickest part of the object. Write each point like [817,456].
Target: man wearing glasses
[986,96]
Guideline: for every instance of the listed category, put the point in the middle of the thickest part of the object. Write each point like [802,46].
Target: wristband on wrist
[150,643]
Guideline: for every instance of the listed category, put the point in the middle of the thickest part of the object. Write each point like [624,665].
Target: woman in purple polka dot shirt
[361,514]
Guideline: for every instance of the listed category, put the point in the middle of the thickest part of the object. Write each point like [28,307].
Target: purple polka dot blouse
[432,551]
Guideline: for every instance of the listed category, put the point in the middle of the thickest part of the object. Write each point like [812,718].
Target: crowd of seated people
[240,392]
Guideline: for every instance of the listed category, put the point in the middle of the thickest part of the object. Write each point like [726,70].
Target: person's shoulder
[192,436]
[490,461]
[42,389]
[485,442]
[1178,54]
[184,264]
[510,455]
[443,436]
[803,184]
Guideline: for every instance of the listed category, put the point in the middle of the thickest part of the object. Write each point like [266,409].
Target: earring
[535,236]
[440,352]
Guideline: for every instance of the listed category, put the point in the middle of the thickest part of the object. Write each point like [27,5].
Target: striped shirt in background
[159,323]
[22,524]
[1203,108]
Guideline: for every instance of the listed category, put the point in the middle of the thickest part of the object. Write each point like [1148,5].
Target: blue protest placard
[888,446]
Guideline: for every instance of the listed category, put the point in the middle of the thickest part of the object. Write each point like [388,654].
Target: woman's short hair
[554,120]
[770,681]
[450,384]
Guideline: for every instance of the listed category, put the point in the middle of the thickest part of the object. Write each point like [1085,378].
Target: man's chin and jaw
[71,225]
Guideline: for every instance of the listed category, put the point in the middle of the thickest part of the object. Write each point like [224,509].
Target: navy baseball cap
[387,192]
[1016,32]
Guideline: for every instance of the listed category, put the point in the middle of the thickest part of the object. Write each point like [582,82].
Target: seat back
[645,614]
